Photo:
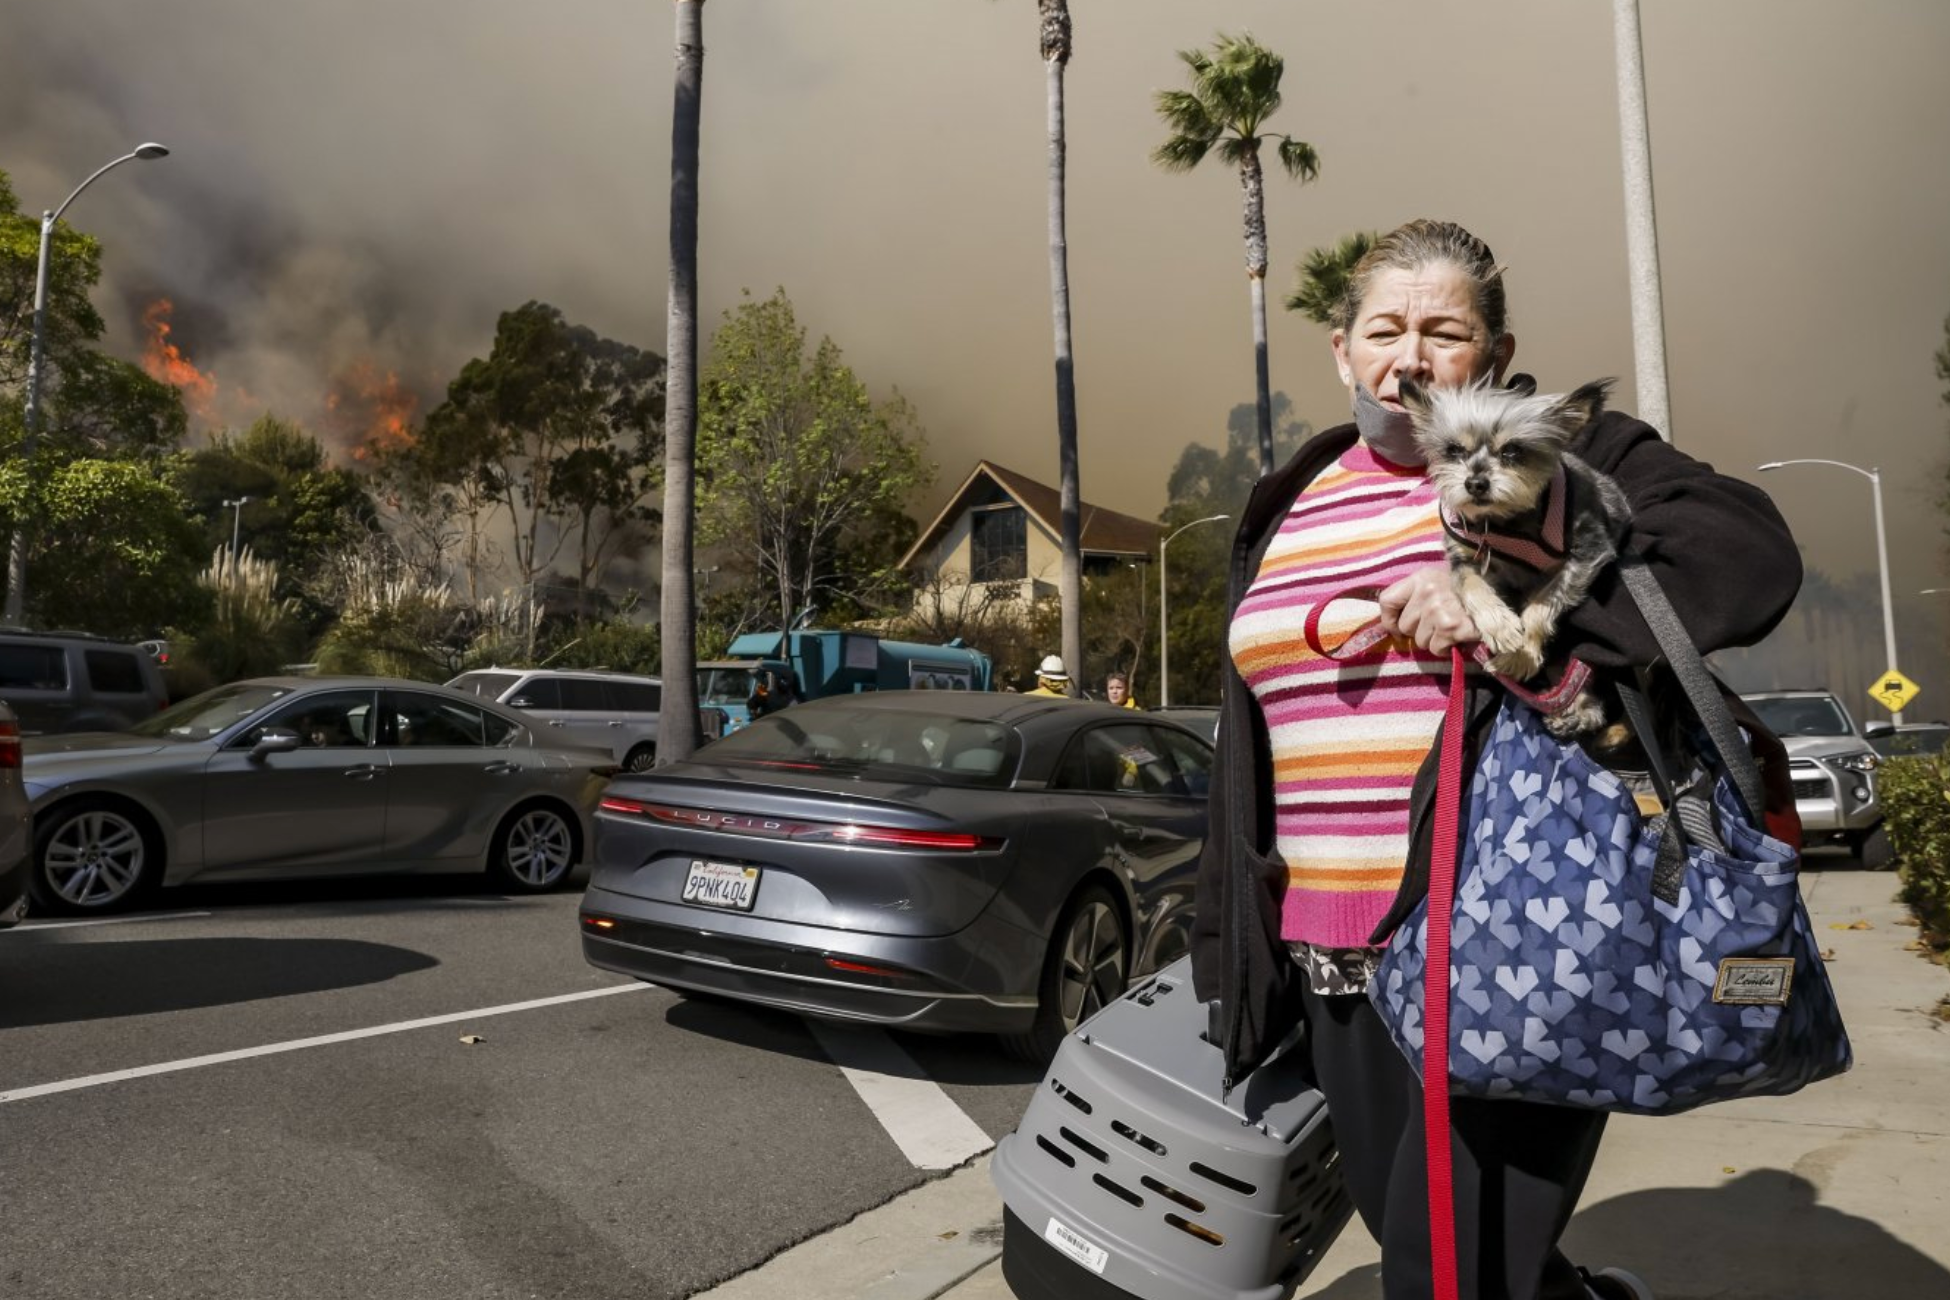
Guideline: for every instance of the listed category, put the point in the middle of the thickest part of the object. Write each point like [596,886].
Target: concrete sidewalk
[1841,1192]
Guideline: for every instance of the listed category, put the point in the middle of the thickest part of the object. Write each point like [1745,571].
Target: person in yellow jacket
[1052,678]
[1117,690]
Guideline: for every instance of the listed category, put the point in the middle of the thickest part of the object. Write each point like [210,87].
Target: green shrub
[1916,802]
[614,646]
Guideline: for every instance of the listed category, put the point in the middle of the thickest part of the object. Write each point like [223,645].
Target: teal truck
[833,663]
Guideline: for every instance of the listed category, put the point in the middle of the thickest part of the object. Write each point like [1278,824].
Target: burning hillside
[370,410]
[163,360]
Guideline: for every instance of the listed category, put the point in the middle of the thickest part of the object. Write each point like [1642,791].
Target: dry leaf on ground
[471,1039]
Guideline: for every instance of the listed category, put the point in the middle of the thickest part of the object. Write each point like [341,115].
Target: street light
[1874,475]
[236,523]
[17,548]
[1164,624]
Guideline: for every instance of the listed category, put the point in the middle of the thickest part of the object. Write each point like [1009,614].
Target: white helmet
[1052,668]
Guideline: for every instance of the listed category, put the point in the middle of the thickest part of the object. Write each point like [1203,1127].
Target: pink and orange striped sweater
[1347,739]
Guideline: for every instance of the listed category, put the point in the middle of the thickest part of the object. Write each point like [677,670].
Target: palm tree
[1324,276]
[1055,16]
[1641,231]
[677,726]
[1235,88]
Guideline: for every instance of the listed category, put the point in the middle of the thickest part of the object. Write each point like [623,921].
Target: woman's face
[1422,323]
[1116,690]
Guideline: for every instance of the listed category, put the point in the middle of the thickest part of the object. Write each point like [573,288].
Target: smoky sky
[366,181]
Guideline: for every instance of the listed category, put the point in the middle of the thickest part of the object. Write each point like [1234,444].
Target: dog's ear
[1577,409]
[1521,383]
[1414,396]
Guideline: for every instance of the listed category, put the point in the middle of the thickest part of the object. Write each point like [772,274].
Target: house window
[999,539]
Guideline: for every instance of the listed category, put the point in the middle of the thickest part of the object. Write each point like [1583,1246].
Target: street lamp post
[236,523]
[1164,623]
[17,548]
[1874,475]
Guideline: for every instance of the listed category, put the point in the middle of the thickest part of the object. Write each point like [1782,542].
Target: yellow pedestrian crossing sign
[1893,690]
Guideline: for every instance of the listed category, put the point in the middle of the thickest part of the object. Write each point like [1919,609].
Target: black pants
[1519,1166]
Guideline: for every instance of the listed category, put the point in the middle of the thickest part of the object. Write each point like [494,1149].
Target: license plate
[720,884]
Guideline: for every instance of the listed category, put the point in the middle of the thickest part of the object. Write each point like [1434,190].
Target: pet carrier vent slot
[1295,1226]
[1130,1134]
[1064,1156]
[1148,994]
[1198,1230]
[1090,1149]
[1303,1177]
[1070,1097]
[1171,1193]
[1118,1190]
[1224,1180]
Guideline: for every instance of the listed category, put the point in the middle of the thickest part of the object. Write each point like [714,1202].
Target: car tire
[640,759]
[93,856]
[536,849]
[1872,848]
[1088,966]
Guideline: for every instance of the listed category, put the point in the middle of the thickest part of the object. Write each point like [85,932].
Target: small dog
[1528,526]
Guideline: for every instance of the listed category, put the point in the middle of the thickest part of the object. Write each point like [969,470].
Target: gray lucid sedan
[919,859]
[305,776]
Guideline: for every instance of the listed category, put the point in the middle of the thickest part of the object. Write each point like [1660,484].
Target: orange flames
[165,361]
[372,408]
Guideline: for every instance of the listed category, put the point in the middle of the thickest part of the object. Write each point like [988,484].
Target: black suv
[71,681]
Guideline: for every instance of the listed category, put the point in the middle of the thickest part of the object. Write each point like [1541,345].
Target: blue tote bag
[1608,960]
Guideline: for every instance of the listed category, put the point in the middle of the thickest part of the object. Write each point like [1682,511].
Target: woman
[1319,846]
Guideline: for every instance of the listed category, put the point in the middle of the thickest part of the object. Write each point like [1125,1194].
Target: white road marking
[31,926]
[298,1044]
[931,1131]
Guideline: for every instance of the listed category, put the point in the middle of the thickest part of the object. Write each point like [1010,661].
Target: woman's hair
[1418,244]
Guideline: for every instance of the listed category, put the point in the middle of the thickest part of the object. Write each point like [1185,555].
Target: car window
[1119,760]
[33,668]
[1802,715]
[539,693]
[113,672]
[1193,759]
[489,686]
[499,730]
[635,697]
[428,721]
[323,720]
[202,716]
[885,743]
[584,695]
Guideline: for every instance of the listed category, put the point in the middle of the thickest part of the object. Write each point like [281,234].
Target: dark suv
[70,681]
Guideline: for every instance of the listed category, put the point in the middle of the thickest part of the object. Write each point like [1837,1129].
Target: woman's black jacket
[1717,546]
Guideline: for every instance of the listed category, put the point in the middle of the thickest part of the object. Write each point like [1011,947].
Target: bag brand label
[1086,1253]
[1754,981]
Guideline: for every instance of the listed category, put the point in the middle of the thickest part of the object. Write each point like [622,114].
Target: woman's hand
[1424,608]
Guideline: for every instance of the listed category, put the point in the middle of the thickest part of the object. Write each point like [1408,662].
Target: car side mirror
[275,740]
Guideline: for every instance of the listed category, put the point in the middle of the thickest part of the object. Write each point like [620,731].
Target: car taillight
[628,807]
[777,828]
[901,838]
[9,744]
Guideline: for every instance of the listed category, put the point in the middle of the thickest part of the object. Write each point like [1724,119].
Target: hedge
[1916,801]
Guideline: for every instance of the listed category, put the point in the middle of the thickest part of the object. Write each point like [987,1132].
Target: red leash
[1435,991]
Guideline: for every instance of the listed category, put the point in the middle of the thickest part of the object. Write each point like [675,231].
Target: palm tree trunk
[1253,182]
[1069,590]
[677,726]
[1641,231]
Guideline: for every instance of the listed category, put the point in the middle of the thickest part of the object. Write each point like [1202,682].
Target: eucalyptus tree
[1055,16]
[1235,87]
[677,736]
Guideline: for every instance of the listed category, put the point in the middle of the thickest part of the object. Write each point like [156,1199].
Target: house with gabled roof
[1001,532]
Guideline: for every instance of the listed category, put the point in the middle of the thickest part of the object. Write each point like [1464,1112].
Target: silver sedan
[304,776]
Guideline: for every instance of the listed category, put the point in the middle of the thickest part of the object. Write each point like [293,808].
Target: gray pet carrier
[1129,1177]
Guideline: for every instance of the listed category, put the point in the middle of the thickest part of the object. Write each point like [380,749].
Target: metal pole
[1882,566]
[1641,229]
[1164,630]
[236,528]
[17,548]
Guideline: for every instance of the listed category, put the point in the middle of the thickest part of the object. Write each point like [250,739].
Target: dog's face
[1492,451]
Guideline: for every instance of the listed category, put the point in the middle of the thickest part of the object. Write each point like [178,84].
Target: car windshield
[886,744]
[489,686]
[1802,715]
[1911,741]
[203,716]
[725,685]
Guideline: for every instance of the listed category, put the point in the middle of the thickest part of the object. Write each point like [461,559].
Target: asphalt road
[637,1145]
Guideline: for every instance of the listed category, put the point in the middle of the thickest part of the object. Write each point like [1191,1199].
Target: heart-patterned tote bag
[1589,969]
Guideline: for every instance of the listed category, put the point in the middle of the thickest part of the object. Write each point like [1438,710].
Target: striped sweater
[1347,739]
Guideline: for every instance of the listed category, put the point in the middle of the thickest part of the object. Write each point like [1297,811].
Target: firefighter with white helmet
[1051,678]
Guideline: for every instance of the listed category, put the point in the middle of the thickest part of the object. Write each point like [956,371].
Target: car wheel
[640,759]
[1872,847]
[536,849]
[1087,968]
[93,855]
